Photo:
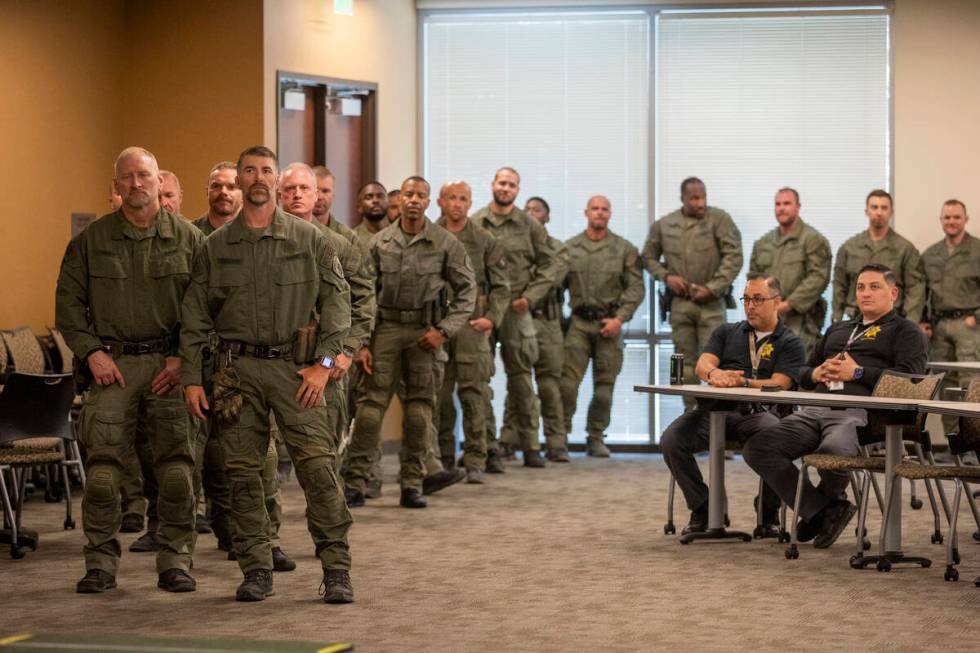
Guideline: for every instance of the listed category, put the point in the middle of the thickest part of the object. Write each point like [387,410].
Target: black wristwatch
[858,373]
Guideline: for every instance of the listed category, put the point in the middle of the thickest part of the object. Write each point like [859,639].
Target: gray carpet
[568,558]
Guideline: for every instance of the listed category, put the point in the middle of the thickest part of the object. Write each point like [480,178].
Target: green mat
[40,643]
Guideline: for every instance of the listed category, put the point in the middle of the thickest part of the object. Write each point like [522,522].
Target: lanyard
[754,354]
[853,338]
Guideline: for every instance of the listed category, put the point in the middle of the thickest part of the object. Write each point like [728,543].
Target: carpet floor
[568,558]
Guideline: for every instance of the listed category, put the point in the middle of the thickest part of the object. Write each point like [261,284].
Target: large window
[628,103]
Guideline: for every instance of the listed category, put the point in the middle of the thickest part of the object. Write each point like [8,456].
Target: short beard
[137,200]
[500,202]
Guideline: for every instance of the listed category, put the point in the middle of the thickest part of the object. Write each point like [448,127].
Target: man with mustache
[531,271]
[256,285]
[138,256]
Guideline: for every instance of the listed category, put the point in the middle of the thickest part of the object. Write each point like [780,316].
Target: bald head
[455,200]
[598,210]
[137,179]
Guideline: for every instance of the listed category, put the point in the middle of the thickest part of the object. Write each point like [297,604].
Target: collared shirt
[780,352]
[118,282]
[890,343]
[893,251]
[529,259]
[604,274]
[800,260]
[412,270]
[487,260]
[261,286]
[953,277]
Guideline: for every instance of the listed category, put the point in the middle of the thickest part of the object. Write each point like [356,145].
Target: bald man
[171,194]
[141,252]
[605,286]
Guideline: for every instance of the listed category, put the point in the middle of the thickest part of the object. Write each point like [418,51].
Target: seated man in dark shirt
[756,352]
[848,359]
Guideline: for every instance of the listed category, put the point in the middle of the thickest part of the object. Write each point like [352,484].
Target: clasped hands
[683,288]
[838,368]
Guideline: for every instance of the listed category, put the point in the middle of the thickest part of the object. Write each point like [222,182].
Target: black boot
[494,463]
[336,587]
[355,498]
[412,498]
[96,581]
[176,580]
[441,480]
[256,586]
[281,561]
[532,458]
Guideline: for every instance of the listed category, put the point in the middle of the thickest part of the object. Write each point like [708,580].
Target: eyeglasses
[757,300]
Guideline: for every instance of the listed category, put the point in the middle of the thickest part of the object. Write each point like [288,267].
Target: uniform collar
[887,317]
[745,327]
[162,227]
[793,233]
[277,228]
[391,232]
[498,220]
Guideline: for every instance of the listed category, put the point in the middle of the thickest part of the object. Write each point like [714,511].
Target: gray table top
[955,408]
[824,399]
[955,366]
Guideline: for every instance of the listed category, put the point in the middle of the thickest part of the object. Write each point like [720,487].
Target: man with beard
[372,206]
[696,252]
[256,284]
[879,244]
[171,194]
[224,198]
[531,269]
[605,286]
[419,266]
[325,182]
[470,356]
[138,256]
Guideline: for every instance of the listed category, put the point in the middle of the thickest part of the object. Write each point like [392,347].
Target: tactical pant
[353,392]
[271,493]
[469,374]
[211,483]
[489,416]
[149,488]
[271,386]
[691,325]
[547,376]
[109,423]
[953,340]
[431,460]
[688,435]
[519,350]
[771,452]
[396,358]
[583,343]
[134,501]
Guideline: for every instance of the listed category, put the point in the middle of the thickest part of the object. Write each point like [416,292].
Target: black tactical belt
[118,348]
[256,351]
[956,314]
[403,317]
[593,314]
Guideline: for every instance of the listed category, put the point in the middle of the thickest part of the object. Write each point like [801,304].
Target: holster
[226,398]
[666,296]
[729,298]
[81,375]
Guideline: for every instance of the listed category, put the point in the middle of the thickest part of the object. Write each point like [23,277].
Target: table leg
[894,451]
[716,486]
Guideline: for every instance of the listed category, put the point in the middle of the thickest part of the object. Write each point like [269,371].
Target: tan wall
[199,101]
[60,136]
[377,44]
[937,139]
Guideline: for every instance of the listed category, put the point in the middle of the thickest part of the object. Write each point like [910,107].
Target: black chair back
[36,405]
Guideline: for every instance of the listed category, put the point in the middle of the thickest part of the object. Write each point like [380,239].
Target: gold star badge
[766,352]
[872,333]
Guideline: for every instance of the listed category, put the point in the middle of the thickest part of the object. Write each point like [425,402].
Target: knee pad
[102,485]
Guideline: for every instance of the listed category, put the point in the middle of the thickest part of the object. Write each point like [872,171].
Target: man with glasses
[757,351]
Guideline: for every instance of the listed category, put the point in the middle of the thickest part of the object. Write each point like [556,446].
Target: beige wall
[198,101]
[60,136]
[937,137]
[378,44]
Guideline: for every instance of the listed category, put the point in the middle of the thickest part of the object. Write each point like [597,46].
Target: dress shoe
[176,580]
[132,522]
[597,448]
[355,498]
[336,586]
[698,522]
[532,458]
[96,581]
[494,463]
[441,480]
[372,490]
[474,477]
[412,498]
[281,561]
[256,586]
[806,530]
[145,543]
[558,455]
[835,519]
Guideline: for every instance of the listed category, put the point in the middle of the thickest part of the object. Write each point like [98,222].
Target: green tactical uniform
[800,260]
[706,251]
[953,287]
[255,289]
[893,251]
[121,287]
[469,352]
[415,273]
[547,369]
[605,279]
[530,265]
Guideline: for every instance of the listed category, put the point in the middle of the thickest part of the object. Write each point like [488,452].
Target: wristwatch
[858,373]
[327,362]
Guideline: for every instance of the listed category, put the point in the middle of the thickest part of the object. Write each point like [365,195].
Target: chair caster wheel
[937,538]
[866,544]
[69,524]
[857,561]
[956,556]
[669,528]
[783,537]
[16,553]
[951,574]
[792,553]
[916,503]
[884,565]
[926,564]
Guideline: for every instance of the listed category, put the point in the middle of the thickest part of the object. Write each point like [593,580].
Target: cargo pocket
[105,429]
